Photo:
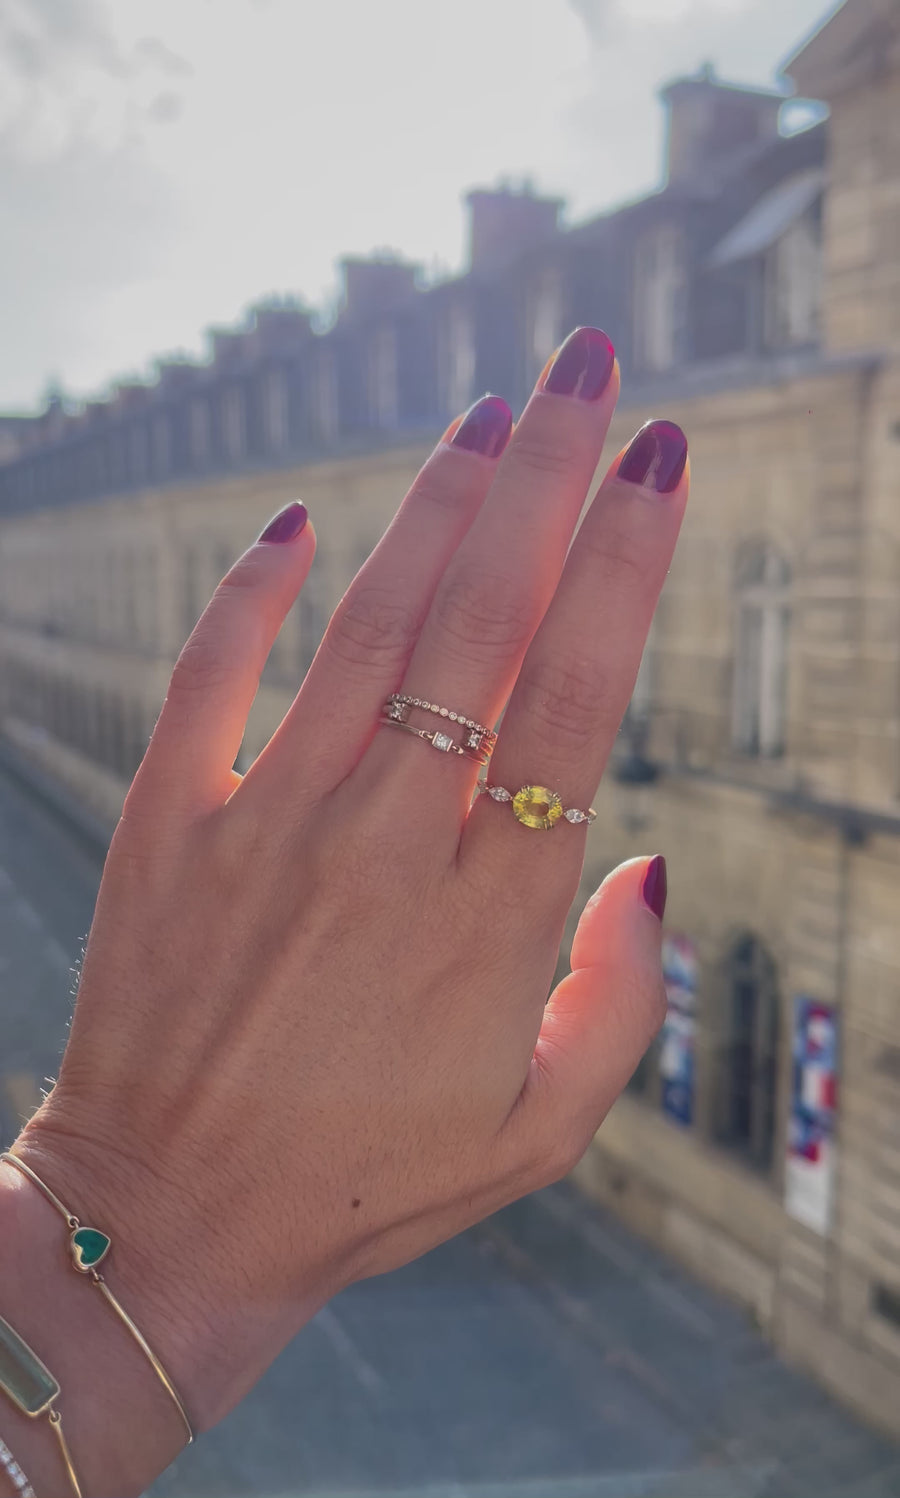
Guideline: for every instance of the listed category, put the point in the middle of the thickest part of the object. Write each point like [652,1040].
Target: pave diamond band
[477,741]
[536,806]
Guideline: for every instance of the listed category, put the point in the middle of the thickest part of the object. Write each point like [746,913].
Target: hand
[312,1038]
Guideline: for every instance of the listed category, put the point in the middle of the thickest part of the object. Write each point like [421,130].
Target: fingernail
[582,367]
[287,524]
[656,887]
[485,428]
[656,457]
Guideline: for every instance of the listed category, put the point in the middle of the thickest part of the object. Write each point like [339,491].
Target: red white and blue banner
[810,1167]
[677,1044]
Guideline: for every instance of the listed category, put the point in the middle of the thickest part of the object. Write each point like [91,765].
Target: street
[546,1352]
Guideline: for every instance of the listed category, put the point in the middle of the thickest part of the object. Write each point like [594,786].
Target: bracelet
[88,1246]
[14,1472]
[33,1390]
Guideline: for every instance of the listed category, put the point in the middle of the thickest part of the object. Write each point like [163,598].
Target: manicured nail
[655,887]
[582,367]
[485,428]
[287,524]
[656,457]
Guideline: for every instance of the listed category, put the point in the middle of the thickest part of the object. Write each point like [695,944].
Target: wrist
[119,1424]
[174,1268]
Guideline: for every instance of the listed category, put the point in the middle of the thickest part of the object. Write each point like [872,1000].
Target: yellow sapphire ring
[536,806]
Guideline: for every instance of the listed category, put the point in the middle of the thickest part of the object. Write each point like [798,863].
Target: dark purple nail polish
[287,524]
[656,457]
[583,366]
[485,428]
[656,886]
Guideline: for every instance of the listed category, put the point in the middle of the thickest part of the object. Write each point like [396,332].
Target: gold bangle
[87,1247]
[33,1390]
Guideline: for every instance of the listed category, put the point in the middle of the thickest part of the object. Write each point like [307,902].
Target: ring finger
[579,672]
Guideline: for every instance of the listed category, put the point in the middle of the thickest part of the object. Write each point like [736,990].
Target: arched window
[762,628]
[747,1060]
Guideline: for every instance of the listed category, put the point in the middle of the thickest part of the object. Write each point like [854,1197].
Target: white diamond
[444,713]
[452,717]
[499,793]
[574,815]
[442,741]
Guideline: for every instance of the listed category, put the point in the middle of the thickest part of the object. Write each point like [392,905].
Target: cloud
[85,211]
[150,49]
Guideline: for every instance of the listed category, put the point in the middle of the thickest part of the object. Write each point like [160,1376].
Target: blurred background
[268,248]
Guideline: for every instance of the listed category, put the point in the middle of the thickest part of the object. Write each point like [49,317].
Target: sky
[166,163]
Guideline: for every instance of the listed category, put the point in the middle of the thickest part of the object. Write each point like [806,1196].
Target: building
[755,299]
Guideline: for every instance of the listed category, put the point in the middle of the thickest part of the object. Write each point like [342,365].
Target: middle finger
[499,583]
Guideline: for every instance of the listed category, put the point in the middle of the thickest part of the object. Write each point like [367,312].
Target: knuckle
[616,554]
[249,571]
[565,700]
[373,625]
[200,668]
[484,612]
[548,452]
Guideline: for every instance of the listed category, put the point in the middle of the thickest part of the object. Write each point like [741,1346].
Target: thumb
[602,1017]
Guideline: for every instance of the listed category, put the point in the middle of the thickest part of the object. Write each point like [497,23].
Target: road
[545,1354]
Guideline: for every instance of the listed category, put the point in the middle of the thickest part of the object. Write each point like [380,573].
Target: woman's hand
[312,1037]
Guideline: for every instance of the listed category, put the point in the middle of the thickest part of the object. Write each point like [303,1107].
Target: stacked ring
[535,806]
[477,742]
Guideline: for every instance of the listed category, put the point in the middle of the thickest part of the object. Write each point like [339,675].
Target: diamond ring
[477,741]
[536,806]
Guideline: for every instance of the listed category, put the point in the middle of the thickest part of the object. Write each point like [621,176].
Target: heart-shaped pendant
[88,1246]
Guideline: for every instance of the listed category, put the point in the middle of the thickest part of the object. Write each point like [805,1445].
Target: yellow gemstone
[535,806]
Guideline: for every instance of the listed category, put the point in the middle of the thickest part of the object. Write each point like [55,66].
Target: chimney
[710,120]
[505,221]
[376,284]
[279,327]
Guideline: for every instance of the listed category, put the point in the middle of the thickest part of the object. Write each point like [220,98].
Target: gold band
[88,1246]
[34,1391]
[536,806]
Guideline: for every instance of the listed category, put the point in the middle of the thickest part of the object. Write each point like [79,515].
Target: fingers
[501,579]
[600,1019]
[372,634]
[579,671]
[188,767]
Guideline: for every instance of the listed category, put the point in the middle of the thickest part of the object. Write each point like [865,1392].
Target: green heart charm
[89,1246]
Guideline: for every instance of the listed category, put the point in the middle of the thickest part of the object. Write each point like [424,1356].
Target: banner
[677,1043]
[809,1173]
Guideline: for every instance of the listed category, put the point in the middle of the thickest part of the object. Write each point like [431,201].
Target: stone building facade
[756,300]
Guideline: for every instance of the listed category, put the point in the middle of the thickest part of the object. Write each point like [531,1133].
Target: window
[792,284]
[199,432]
[276,412]
[761,651]
[325,415]
[747,1055]
[545,319]
[382,373]
[138,452]
[234,423]
[192,600]
[659,298]
[311,622]
[455,359]
[161,435]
